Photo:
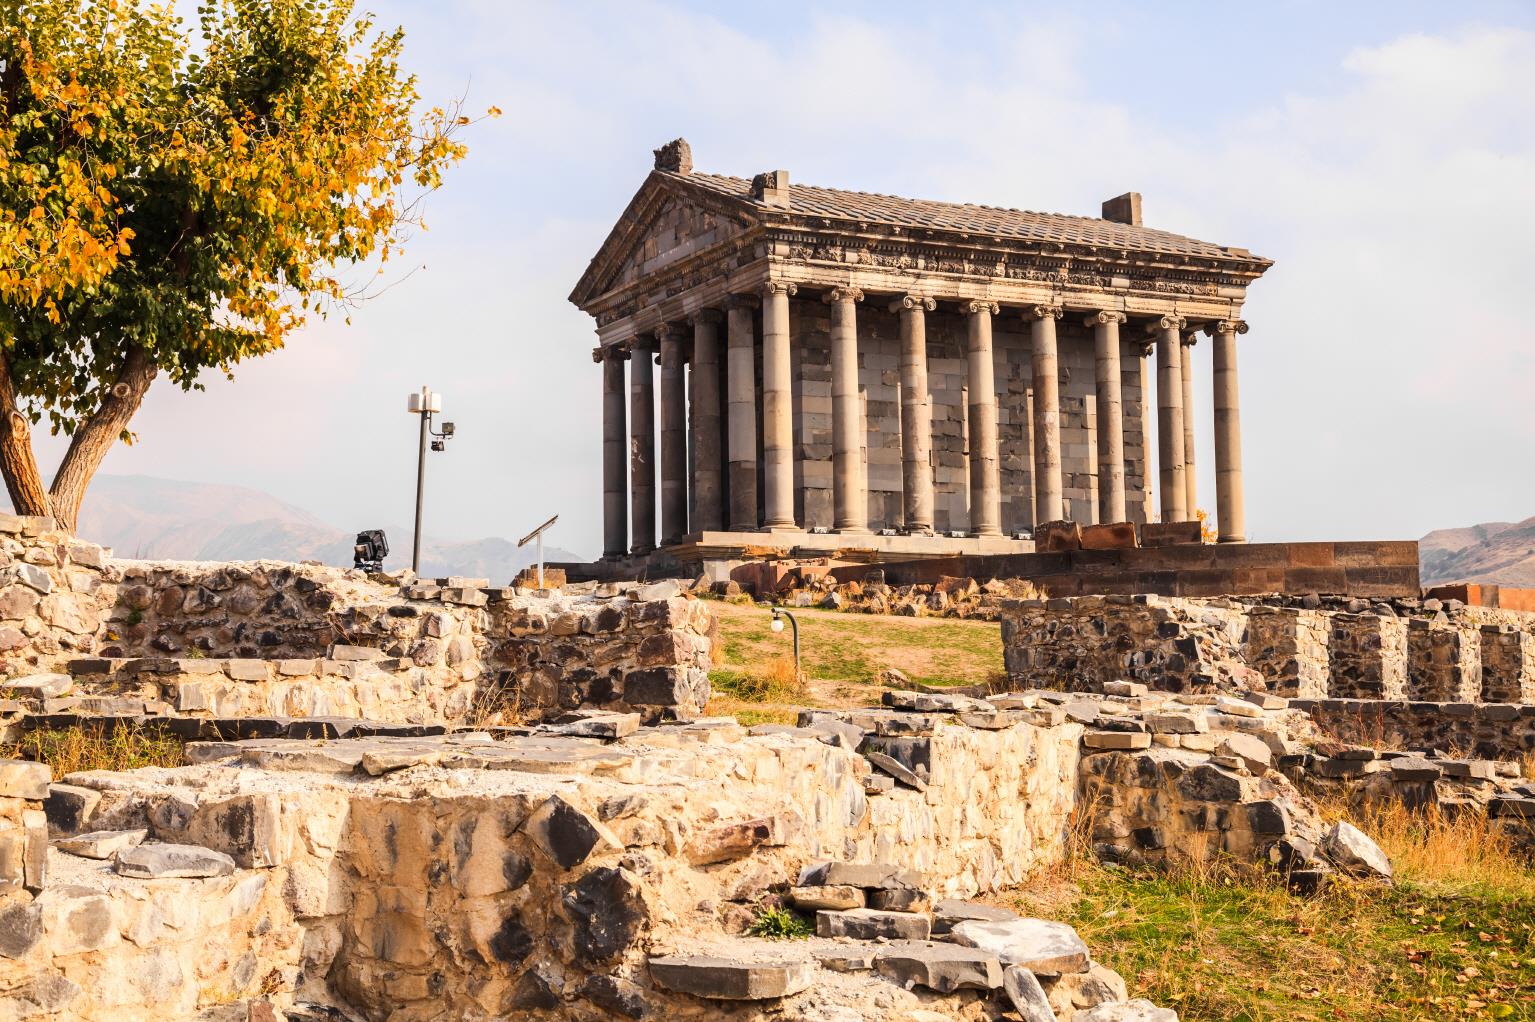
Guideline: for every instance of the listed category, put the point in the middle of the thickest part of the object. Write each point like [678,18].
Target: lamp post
[425,404]
[778,615]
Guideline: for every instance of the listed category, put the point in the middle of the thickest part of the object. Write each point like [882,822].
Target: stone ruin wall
[1467,654]
[264,638]
[1500,731]
[879,375]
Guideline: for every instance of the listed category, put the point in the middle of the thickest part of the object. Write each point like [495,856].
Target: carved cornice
[1047,312]
[1104,317]
[913,303]
[976,306]
[843,294]
[1226,326]
[779,287]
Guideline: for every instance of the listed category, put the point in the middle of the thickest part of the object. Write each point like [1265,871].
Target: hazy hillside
[1501,552]
[140,516]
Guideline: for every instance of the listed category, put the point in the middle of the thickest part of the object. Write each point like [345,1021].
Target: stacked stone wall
[1497,731]
[1508,665]
[1465,654]
[1367,657]
[23,828]
[54,589]
[1289,648]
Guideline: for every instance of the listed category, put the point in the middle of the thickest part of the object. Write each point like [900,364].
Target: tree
[173,202]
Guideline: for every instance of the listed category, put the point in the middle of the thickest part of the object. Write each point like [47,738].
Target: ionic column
[1230,515]
[615,490]
[674,438]
[707,509]
[916,414]
[741,396]
[777,407]
[850,503]
[642,444]
[985,455]
[1048,483]
[1111,416]
[1173,489]
[1190,476]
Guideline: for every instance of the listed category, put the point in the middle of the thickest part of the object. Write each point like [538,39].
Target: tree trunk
[91,442]
[17,464]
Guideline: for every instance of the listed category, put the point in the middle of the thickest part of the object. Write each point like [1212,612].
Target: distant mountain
[1494,552]
[141,516]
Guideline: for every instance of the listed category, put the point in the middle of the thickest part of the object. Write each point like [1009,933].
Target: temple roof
[1000,222]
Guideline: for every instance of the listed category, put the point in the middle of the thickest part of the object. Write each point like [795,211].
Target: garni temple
[848,371]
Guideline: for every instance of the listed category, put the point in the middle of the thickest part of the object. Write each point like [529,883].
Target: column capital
[1189,338]
[913,303]
[779,287]
[1104,317]
[741,301]
[705,316]
[1226,326]
[1146,349]
[1047,311]
[1167,323]
[667,332]
[843,294]
[979,305]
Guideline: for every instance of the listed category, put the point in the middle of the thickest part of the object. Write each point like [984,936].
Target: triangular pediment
[664,224]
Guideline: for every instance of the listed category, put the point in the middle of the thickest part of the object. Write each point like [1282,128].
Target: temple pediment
[663,225]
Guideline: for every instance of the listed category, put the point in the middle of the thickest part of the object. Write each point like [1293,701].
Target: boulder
[936,966]
[1354,853]
[721,979]
[1043,947]
[158,861]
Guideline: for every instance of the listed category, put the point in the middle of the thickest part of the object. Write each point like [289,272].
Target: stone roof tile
[1024,225]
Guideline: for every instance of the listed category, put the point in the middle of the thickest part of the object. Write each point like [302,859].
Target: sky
[1383,154]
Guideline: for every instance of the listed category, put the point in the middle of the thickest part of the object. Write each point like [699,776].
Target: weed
[778,923]
[68,750]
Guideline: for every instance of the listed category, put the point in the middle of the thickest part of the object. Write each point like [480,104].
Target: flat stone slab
[933,702]
[938,966]
[1117,740]
[950,911]
[1138,1010]
[869,875]
[39,686]
[101,844]
[1043,947]
[857,959]
[895,769]
[722,979]
[836,897]
[158,861]
[870,924]
[597,725]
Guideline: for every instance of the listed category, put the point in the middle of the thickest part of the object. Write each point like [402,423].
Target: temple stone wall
[879,375]
[1443,661]
[54,590]
[1508,664]
[1288,646]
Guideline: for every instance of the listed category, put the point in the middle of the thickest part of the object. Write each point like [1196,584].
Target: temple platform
[716,553]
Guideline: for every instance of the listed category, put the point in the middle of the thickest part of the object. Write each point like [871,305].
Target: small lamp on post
[425,404]
[778,618]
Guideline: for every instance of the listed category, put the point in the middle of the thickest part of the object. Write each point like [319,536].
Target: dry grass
[69,750]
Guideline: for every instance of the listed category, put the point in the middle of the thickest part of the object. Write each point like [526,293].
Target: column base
[1232,539]
[854,530]
[789,527]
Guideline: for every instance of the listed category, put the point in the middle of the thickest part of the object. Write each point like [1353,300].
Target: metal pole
[415,551]
[540,559]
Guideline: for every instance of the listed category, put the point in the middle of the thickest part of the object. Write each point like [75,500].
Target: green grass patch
[1236,946]
[779,923]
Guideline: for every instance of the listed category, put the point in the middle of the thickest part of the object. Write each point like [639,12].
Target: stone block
[567,835]
[20,778]
[724,980]
[869,924]
[1117,740]
[937,966]
[166,860]
[69,807]
[870,876]
[1043,947]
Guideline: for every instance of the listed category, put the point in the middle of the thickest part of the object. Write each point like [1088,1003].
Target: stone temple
[897,376]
